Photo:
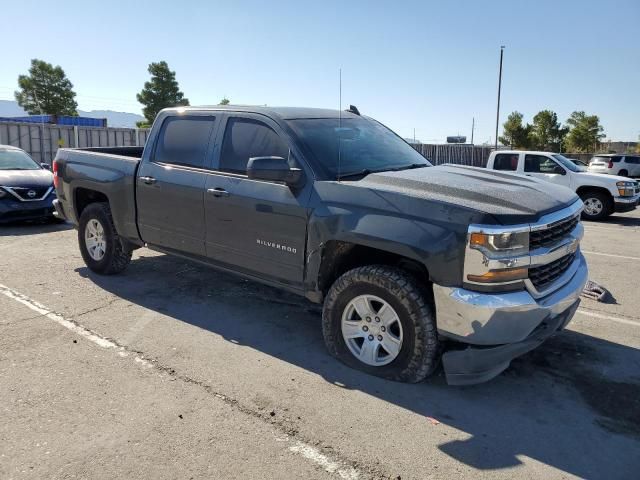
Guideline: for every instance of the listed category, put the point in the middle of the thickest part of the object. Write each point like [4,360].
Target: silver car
[615,164]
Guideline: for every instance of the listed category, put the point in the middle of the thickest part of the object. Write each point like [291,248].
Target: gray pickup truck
[414,264]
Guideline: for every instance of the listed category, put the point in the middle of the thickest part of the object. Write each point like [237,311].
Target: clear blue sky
[431,66]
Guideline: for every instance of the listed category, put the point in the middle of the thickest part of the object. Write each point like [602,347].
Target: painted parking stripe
[612,318]
[611,255]
[305,450]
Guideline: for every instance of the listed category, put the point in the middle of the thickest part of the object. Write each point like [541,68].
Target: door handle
[148,180]
[218,192]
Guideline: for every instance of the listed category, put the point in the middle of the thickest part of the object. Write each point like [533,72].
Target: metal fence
[42,141]
[466,154]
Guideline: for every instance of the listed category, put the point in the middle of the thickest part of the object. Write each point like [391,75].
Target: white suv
[602,194]
[623,165]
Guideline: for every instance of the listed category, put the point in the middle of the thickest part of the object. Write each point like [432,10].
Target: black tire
[420,350]
[115,258]
[603,198]
[623,173]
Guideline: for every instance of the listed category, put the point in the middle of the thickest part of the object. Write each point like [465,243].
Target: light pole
[499,88]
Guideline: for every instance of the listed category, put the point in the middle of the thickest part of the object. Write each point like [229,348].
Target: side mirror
[46,166]
[273,169]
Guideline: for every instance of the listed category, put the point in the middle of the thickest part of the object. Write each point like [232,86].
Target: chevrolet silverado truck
[414,264]
[602,194]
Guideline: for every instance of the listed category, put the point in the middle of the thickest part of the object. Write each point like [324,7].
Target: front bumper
[626,204]
[15,210]
[496,328]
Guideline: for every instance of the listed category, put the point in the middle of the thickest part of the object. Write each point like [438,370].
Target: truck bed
[106,171]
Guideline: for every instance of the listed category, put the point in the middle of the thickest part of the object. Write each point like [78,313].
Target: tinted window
[633,160]
[506,161]
[540,164]
[245,138]
[616,159]
[184,141]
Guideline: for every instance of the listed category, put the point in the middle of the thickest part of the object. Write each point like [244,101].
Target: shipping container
[59,120]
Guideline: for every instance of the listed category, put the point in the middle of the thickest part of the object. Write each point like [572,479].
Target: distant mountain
[10,108]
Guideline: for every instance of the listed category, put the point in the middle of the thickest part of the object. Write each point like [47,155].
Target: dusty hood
[506,196]
[26,178]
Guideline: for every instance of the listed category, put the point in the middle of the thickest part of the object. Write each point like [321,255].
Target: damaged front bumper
[496,328]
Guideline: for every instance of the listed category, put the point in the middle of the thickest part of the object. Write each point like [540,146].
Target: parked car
[623,165]
[26,188]
[579,163]
[602,194]
[410,260]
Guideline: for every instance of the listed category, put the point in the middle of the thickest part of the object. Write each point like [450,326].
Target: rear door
[632,164]
[257,227]
[170,184]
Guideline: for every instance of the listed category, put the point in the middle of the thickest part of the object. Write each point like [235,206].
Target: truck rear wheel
[378,320]
[597,205]
[100,244]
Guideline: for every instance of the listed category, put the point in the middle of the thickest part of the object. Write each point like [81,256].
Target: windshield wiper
[364,172]
[409,167]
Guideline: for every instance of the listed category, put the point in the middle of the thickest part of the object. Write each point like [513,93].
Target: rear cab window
[245,138]
[506,161]
[184,141]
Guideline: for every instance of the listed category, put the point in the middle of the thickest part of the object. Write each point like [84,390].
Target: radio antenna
[339,120]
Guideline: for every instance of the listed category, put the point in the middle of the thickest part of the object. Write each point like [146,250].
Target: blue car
[26,188]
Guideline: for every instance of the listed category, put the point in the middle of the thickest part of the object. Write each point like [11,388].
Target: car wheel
[100,244]
[623,173]
[597,205]
[378,319]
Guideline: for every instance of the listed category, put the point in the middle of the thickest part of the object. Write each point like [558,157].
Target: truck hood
[509,198]
[601,178]
[26,178]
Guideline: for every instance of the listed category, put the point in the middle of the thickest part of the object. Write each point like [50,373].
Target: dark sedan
[26,188]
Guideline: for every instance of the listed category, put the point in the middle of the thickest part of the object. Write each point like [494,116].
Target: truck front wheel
[100,244]
[378,320]
[597,205]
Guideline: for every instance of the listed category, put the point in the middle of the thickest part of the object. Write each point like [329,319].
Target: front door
[545,168]
[258,227]
[171,183]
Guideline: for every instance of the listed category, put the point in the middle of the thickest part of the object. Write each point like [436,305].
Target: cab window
[540,164]
[506,161]
[184,141]
[245,138]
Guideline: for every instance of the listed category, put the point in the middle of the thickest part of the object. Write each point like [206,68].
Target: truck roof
[533,152]
[282,113]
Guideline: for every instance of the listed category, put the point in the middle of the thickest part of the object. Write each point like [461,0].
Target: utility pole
[499,89]
[473,126]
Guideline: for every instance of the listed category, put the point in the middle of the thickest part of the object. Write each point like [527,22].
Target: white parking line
[611,255]
[69,325]
[626,321]
[306,451]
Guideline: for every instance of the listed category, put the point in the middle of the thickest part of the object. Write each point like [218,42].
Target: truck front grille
[552,234]
[543,276]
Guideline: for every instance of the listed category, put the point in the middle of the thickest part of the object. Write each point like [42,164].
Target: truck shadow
[573,404]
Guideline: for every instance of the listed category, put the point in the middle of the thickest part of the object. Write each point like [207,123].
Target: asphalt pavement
[174,370]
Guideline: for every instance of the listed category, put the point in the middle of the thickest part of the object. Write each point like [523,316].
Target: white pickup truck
[602,194]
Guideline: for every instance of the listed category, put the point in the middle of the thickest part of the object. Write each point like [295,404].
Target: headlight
[496,259]
[496,243]
[625,189]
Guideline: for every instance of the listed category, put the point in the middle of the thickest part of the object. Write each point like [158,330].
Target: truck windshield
[16,160]
[358,145]
[566,163]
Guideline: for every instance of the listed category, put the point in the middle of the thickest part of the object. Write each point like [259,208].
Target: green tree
[585,132]
[224,101]
[46,90]
[160,92]
[546,132]
[514,133]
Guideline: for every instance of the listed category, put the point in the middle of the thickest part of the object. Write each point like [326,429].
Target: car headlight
[496,259]
[625,189]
